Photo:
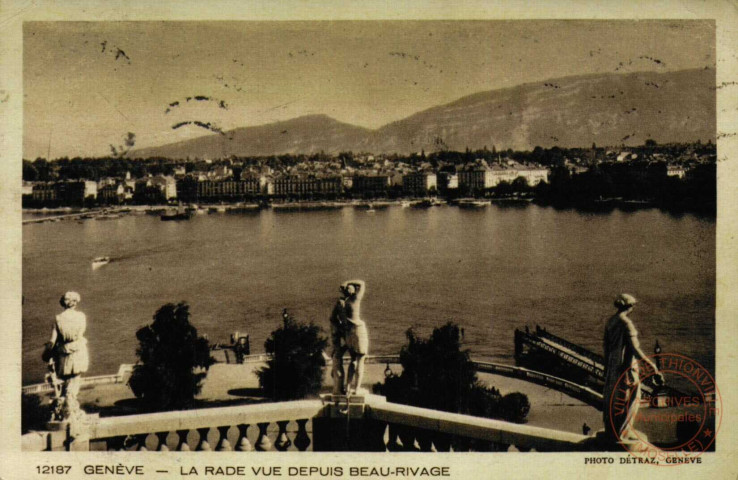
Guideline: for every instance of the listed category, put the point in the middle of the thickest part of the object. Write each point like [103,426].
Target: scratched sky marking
[354,72]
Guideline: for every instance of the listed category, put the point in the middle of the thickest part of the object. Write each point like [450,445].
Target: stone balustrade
[420,429]
[328,424]
[260,427]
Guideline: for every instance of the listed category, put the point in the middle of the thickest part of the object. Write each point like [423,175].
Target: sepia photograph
[473,235]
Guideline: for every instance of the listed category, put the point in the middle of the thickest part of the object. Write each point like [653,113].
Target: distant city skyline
[89,83]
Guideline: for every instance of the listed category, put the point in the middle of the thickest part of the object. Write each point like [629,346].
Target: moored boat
[427,203]
[472,203]
[99,262]
[179,214]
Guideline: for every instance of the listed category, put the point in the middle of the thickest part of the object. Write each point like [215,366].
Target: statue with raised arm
[339,326]
[622,354]
[348,333]
[357,337]
[67,350]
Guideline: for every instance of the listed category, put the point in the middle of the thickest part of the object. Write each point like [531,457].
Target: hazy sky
[80,99]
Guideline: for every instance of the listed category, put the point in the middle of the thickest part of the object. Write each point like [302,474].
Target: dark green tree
[295,369]
[520,185]
[514,407]
[438,374]
[173,360]
[30,174]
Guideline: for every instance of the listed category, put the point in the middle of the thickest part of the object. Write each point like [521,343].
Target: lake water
[489,270]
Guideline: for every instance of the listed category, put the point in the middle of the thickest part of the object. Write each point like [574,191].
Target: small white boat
[471,203]
[405,203]
[99,262]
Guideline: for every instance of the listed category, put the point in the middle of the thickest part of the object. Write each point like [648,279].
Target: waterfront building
[476,176]
[106,181]
[167,185]
[227,190]
[75,192]
[43,192]
[371,184]
[307,184]
[479,175]
[111,194]
[27,188]
[419,183]
[396,179]
[512,170]
[347,181]
[221,172]
[447,181]
[675,171]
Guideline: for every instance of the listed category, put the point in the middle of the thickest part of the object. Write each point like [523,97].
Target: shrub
[173,360]
[514,407]
[295,369]
[438,374]
[485,401]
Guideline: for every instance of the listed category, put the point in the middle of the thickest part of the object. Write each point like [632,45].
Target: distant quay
[70,213]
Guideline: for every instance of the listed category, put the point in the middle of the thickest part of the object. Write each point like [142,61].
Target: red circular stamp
[669,424]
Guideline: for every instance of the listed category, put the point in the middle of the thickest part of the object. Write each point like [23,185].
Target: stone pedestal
[71,436]
[344,427]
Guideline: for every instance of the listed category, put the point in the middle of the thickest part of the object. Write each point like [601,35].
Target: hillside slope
[606,109]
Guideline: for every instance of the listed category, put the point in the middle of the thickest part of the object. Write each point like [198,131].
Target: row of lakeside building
[224,186]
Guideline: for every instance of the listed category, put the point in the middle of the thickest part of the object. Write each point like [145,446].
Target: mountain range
[606,109]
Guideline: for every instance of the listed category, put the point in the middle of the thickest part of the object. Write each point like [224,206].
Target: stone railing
[420,429]
[124,373]
[358,423]
[574,390]
[260,427]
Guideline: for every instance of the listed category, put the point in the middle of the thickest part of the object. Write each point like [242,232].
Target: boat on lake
[179,214]
[99,262]
[472,203]
[427,203]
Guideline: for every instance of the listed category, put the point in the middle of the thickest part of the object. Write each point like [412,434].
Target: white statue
[622,378]
[348,333]
[69,359]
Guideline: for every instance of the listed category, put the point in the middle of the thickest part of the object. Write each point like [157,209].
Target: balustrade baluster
[243,444]
[500,447]
[460,444]
[442,442]
[223,444]
[140,441]
[283,442]
[263,443]
[162,437]
[302,439]
[182,446]
[425,440]
[203,445]
[407,437]
[115,443]
[374,435]
[392,443]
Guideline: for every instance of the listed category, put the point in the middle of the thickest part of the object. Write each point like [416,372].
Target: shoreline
[599,206]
